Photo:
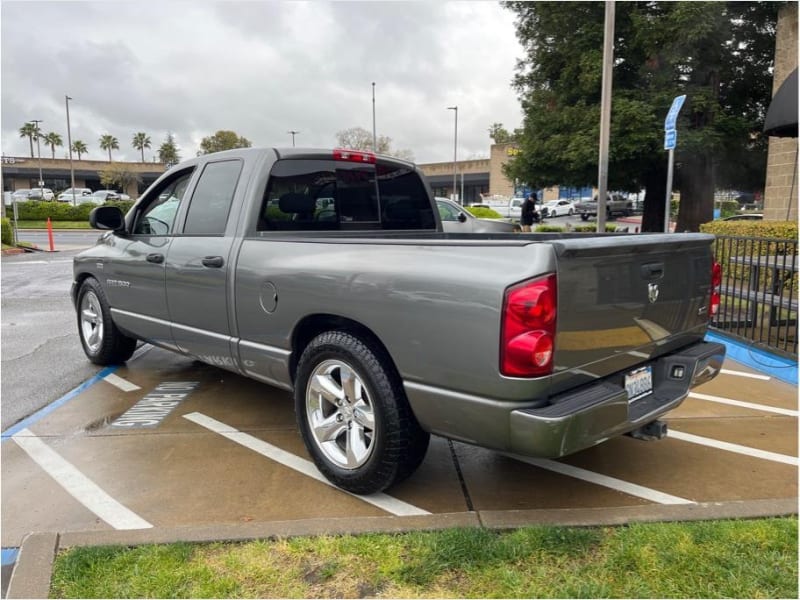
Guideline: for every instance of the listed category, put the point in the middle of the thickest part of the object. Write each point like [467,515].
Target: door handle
[652,271]
[213,261]
[155,258]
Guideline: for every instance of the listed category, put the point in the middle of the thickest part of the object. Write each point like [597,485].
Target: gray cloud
[260,69]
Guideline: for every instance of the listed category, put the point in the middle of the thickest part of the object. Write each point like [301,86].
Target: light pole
[455,151]
[69,145]
[293,134]
[374,134]
[39,154]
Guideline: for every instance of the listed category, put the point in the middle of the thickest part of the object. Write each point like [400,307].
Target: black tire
[374,411]
[570,213]
[584,217]
[102,342]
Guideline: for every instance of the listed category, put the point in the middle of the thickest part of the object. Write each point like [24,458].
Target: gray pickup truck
[616,204]
[327,274]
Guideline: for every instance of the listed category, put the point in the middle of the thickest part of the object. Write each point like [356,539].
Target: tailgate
[623,300]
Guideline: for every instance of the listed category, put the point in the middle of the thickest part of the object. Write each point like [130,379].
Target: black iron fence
[759,293]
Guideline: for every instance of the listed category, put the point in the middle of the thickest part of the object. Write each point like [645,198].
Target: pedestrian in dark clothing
[528,212]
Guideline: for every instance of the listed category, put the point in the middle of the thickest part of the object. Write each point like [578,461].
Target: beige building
[780,191]
[21,172]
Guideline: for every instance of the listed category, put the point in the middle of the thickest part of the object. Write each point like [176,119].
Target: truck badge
[652,292]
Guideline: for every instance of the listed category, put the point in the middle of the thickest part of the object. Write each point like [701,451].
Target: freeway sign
[670,137]
[672,116]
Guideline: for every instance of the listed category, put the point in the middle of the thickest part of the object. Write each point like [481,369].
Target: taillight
[356,156]
[716,282]
[528,328]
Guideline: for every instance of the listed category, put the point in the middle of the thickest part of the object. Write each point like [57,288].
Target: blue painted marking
[770,364]
[54,405]
[10,556]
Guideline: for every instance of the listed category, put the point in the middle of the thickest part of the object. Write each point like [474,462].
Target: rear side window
[336,195]
[212,197]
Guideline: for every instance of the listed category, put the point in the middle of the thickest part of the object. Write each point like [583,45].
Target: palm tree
[29,131]
[79,147]
[141,141]
[52,139]
[109,142]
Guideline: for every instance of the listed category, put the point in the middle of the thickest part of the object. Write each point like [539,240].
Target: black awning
[781,118]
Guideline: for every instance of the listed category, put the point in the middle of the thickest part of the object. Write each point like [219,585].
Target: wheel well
[78,282]
[311,326]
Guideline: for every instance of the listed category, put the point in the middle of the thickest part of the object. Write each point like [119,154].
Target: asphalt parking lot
[167,442]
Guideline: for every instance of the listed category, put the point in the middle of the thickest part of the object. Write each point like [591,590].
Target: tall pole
[455,152]
[39,154]
[374,131]
[668,201]
[69,145]
[293,134]
[605,116]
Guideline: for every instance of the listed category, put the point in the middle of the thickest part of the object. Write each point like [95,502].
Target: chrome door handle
[213,261]
[155,258]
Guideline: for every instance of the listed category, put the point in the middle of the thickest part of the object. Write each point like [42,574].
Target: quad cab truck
[616,204]
[326,273]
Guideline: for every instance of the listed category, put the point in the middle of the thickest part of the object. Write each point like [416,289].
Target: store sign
[10,160]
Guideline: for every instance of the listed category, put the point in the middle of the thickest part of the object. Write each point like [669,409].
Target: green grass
[55,224]
[751,559]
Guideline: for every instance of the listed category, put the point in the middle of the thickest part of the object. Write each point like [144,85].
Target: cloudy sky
[260,69]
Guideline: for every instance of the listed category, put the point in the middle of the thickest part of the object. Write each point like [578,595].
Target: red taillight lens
[356,156]
[716,282]
[528,328]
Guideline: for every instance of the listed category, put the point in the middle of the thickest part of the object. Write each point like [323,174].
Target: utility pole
[374,131]
[39,154]
[605,116]
[455,153]
[69,145]
[293,134]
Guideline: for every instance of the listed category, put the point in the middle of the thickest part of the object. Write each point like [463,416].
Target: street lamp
[293,134]
[374,135]
[455,151]
[39,154]
[69,145]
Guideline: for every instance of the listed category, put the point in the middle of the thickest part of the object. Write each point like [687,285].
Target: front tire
[353,414]
[102,342]
[584,217]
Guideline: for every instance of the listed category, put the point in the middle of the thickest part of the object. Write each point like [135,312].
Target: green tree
[168,151]
[358,138]
[52,139]
[109,142]
[714,52]
[115,176]
[141,141]
[29,131]
[223,140]
[501,135]
[79,147]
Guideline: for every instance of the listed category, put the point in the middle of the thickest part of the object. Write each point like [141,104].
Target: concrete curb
[33,569]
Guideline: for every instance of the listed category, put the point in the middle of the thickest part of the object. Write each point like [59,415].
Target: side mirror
[462,217]
[107,217]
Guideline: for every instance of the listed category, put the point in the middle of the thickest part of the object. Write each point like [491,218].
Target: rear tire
[584,217]
[102,342]
[353,414]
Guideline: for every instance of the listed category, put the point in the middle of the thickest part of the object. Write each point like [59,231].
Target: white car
[105,195]
[45,194]
[68,195]
[455,219]
[558,208]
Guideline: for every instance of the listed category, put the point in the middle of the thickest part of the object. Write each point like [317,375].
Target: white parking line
[25,263]
[751,405]
[123,384]
[746,450]
[306,467]
[80,487]
[743,374]
[625,487]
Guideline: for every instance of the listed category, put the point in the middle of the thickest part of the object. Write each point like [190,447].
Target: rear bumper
[581,419]
[572,421]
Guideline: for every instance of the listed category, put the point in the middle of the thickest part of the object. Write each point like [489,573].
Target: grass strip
[55,224]
[734,559]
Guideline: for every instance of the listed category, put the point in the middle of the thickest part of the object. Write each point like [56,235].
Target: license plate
[639,383]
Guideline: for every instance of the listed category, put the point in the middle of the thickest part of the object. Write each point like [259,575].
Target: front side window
[337,195]
[448,212]
[158,217]
[212,198]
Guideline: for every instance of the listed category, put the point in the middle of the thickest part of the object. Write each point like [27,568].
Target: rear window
[336,195]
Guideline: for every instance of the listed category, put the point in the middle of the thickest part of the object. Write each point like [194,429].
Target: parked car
[45,194]
[68,195]
[558,208]
[106,195]
[455,219]
[745,217]
[21,195]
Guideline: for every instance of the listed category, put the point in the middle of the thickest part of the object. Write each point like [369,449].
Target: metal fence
[759,301]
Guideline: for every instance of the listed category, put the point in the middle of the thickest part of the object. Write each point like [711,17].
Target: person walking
[527,213]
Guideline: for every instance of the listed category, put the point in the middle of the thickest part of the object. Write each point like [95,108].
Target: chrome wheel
[340,414]
[91,321]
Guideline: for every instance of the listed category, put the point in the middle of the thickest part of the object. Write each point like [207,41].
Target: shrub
[33,210]
[781,230]
[7,232]
[549,229]
[592,228]
[483,213]
[728,208]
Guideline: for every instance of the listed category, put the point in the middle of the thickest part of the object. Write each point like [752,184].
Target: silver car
[456,219]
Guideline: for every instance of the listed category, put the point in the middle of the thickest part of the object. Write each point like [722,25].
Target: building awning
[781,118]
